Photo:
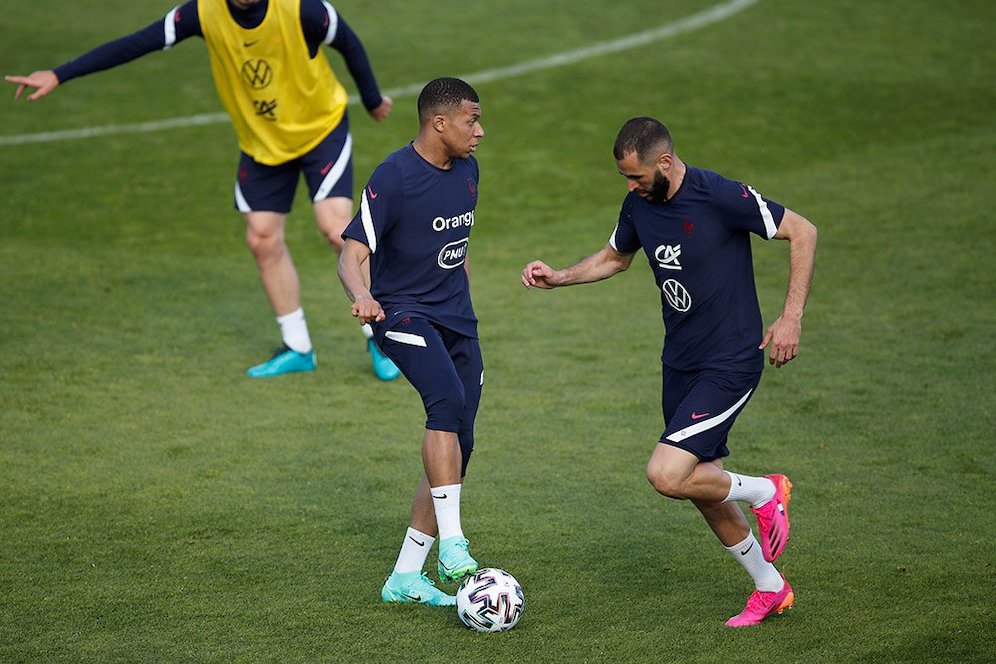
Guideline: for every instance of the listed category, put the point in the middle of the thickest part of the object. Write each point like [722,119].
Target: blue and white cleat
[455,561]
[284,361]
[414,588]
[384,367]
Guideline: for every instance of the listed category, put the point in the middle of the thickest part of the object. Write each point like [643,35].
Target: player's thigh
[469,364]
[701,407]
[332,216]
[418,350]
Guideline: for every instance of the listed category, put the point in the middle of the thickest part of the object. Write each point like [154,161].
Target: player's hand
[368,310]
[783,336]
[43,82]
[538,275]
[381,112]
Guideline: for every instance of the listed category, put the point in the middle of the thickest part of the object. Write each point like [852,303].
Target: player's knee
[264,245]
[445,411]
[664,482]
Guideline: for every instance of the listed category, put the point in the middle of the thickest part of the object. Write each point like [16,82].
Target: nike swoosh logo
[747,550]
[248,44]
[439,497]
[745,194]
[414,598]
[372,194]
[325,170]
[416,541]
[697,416]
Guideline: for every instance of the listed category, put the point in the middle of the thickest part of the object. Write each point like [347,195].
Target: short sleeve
[742,208]
[380,207]
[624,238]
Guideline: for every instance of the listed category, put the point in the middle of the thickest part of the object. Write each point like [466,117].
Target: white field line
[702,19]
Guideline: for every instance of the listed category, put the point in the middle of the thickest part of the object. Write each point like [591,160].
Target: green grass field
[158,506]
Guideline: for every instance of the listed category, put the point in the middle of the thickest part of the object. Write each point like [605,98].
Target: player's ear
[665,161]
[439,122]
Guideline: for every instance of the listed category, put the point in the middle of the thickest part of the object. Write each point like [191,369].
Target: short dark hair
[644,136]
[443,94]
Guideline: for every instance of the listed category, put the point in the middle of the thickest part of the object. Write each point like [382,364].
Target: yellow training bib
[282,101]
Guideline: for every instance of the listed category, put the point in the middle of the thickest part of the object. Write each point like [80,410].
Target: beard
[658,191]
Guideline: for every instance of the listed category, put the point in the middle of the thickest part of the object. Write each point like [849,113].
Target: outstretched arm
[783,335]
[177,25]
[354,282]
[600,265]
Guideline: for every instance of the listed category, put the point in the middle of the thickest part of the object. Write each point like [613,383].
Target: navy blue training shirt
[416,219]
[698,245]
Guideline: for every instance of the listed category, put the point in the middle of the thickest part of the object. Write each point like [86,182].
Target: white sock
[446,501]
[754,490]
[748,554]
[294,331]
[367,330]
[414,551]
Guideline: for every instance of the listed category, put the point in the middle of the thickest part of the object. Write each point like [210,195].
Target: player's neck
[679,177]
[434,154]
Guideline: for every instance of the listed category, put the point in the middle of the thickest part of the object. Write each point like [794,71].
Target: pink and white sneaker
[773,519]
[760,605]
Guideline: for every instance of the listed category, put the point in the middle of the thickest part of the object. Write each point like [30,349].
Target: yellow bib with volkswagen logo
[282,101]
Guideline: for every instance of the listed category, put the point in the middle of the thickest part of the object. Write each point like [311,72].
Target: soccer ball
[490,600]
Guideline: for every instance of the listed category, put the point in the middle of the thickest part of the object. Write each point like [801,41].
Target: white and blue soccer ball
[490,600]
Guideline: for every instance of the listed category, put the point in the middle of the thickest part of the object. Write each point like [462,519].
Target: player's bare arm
[600,265]
[42,81]
[783,335]
[354,282]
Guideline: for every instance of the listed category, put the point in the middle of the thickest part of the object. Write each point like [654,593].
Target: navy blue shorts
[445,367]
[327,168]
[700,407]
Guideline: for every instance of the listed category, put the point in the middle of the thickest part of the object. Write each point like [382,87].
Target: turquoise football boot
[414,588]
[284,361]
[455,561]
[384,367]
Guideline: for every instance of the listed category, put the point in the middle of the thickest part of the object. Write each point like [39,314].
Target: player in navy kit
[289,111]
[694,226]
[414,224]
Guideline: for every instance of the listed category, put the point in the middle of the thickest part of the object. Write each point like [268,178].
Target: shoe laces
[758,601]
[415,582]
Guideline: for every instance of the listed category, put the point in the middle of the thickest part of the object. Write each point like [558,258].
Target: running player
[694,226]
[289,112]
[413,228]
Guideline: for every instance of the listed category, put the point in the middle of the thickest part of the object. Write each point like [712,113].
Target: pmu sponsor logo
[453,254]
[445,223]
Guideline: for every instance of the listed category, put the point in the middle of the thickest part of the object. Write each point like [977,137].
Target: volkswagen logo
[257,74]
[676,295]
